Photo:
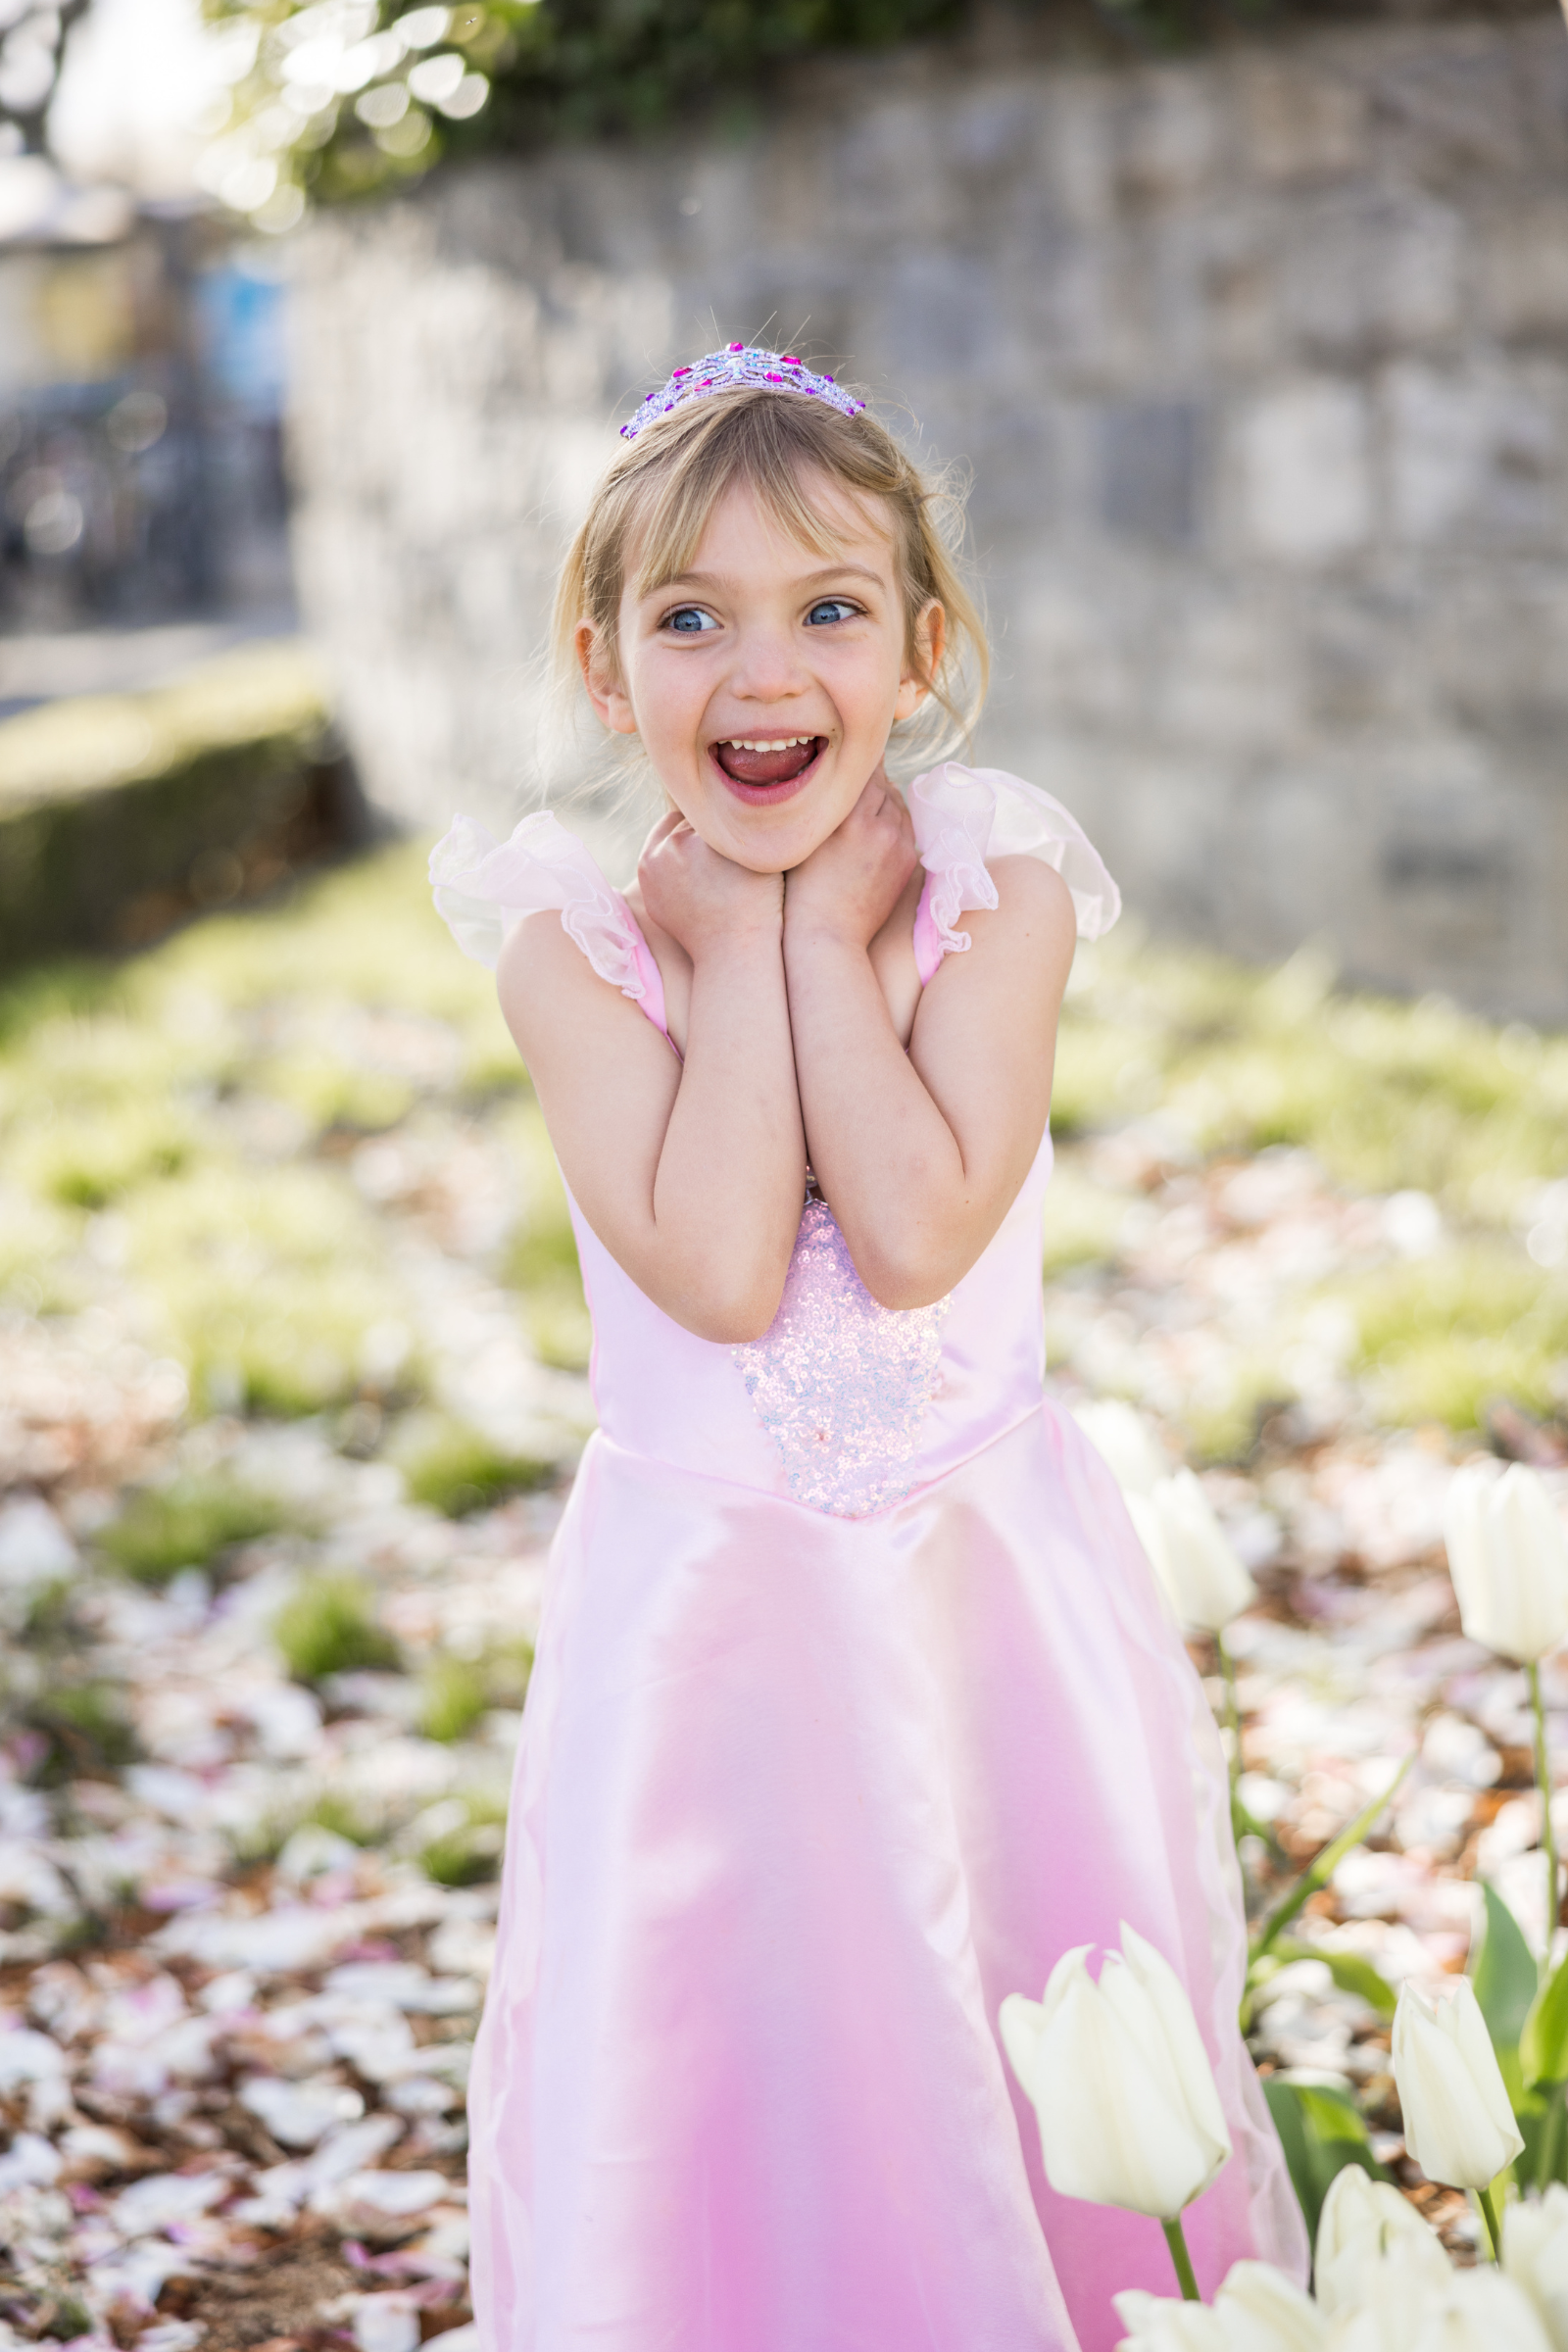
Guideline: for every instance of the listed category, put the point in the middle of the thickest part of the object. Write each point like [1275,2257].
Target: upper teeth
[781,743]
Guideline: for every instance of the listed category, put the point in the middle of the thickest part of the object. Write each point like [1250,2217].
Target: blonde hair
[653,504]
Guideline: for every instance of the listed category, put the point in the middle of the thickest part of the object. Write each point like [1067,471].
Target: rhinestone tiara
[739,363]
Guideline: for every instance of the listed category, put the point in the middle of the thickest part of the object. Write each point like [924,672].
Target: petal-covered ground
[291,1384]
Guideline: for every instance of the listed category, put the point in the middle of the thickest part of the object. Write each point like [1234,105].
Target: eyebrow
[830,572]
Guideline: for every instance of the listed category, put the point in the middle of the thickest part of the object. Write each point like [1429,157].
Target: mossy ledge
[121,815]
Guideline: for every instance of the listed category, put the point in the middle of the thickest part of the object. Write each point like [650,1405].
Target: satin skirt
[797,1802]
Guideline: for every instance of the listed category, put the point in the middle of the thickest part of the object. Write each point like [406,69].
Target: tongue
[764,768]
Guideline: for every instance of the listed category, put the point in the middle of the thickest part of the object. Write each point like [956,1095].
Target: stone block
[1472,453]
[1301,120]
[1452,861]
[1151,453]
[1227,673]
[1367,271]
[1449,106]
[1167,137]
[1304,461]
[1524,267]
[1493,647]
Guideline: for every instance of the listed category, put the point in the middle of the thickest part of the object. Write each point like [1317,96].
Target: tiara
[739,363]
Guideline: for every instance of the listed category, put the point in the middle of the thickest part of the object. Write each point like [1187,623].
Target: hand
[701,897]
[852,882]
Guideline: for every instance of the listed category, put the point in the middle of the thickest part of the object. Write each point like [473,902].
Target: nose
[767,667]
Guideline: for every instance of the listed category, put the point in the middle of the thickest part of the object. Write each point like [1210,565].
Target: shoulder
[1033,927]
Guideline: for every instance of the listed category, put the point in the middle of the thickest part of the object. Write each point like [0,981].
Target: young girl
[853,1707]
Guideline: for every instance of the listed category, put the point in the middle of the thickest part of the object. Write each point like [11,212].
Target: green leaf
[1349,1971]
[1504,1973]
[1322,2132]
[1323,1864]
[1543,2040]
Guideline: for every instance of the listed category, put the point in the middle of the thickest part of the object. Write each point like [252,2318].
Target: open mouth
[766,762]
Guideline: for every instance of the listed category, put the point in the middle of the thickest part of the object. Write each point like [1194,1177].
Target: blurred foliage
[465,1844]
[187,1524]
[328,1625]
[181,1121]
[226,1144]
[86,743]
[452,1698]
[1388,1096]
[455,1469]
[80,1730]
[541,1259]
[346,97]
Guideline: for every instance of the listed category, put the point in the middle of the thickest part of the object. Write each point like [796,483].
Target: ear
[930,637]
[602,678]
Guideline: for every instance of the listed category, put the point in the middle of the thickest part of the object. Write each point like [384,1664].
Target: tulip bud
[1122,1436]
[1508,1557]
[1191,1553]
[1256,2310]
[1121,2081]
[1535,2256]
[1458,2125]
[1165,2324]
[1361,2221]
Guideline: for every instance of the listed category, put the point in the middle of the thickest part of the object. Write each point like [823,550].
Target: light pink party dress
[854,1708]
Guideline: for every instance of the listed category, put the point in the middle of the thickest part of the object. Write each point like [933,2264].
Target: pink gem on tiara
[739,365]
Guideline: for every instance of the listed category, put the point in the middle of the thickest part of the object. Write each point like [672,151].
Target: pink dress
[854,1708]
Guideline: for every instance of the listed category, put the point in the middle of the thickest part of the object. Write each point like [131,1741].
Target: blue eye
[689,620]
[831,609]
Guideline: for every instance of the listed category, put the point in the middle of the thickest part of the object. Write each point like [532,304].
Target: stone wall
[1261,362]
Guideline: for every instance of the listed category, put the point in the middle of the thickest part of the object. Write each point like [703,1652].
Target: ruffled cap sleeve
[963,817]
[484,888]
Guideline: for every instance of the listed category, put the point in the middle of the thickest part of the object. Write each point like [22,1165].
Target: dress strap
[962,818]
[483,888]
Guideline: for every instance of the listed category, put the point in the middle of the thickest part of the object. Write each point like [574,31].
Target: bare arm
[921,1154]
[690,1173]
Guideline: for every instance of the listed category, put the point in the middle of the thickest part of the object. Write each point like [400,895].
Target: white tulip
[1535,2256]
[1165,2324]
[1508,1557]
[1256,2310]
[1458,2125]
[1122,1436]
[1395,2291]
[1191,1553]
[1478,2310]
[1263,2311]
[1361,2221]
[1121,2081]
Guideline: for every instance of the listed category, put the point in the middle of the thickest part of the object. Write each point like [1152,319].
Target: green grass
[1390,1096]
[457,1693]
[187,1524]
[178,1132]
[456,1470]
[470,1851]
[328,1625]
[541,1261]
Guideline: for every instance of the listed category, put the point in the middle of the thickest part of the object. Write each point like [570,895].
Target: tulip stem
[1233,1712]
[1551,2139]
[1548,1842]
[1177,2242]
[1494,2225]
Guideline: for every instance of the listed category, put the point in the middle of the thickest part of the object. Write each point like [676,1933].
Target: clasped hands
[842,894]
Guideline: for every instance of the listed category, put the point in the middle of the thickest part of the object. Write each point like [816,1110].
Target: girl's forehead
[828,522]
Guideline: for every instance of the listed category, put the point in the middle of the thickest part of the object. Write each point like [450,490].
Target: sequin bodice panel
[843,1406]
